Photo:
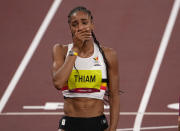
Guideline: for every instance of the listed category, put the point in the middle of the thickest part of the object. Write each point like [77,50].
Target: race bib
[85,79]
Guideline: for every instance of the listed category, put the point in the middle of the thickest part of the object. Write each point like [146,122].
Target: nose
[80,27]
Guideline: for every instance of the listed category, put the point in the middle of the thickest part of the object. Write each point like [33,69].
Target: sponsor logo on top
[96,61]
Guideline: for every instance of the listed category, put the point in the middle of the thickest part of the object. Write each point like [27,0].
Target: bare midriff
[83,107]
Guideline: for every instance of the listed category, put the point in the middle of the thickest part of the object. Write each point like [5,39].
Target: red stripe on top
[103,87]
[84,90]
[64,88]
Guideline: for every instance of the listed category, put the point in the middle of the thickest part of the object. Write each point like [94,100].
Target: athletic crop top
[88,78]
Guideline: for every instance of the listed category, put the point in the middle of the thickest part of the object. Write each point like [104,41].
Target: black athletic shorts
[99,123]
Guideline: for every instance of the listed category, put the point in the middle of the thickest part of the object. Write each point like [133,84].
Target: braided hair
[83,9]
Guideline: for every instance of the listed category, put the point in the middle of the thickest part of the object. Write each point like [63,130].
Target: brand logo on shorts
[104,121]
[63,122]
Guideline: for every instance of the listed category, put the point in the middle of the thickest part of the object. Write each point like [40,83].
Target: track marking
[156,66]
[52,106]
[29,53]
[174,106]
[149,128]
[106,113]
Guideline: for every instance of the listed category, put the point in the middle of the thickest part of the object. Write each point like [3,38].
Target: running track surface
[133,28]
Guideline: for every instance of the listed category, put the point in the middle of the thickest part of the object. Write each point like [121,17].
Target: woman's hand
[80,37]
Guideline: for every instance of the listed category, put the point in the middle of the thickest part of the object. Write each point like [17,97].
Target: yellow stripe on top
[104,84]
[85,79]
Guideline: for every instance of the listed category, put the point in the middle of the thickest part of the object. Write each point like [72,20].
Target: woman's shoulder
[60,48]
[109,52]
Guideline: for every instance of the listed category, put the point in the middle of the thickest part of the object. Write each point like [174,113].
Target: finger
[77,34]
[85,34]
[84,30]
[81,32]
[81,36]
[85,38]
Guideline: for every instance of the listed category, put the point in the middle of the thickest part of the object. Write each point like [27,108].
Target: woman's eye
[74,24]
[85,23]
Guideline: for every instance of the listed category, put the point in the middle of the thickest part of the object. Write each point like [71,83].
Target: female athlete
[84,71]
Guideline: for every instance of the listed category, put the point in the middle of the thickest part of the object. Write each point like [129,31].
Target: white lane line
[33,107]
[52,106]
[149,128]
[174,106]
[156,66]
[29,53]
[31,113]
[106,113]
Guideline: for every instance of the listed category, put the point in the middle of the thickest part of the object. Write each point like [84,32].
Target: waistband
[85,118]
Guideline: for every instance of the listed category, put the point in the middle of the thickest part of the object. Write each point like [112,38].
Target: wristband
[73,53]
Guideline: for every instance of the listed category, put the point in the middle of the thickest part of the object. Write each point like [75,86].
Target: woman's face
[80,20]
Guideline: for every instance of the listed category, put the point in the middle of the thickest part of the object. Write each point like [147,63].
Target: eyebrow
[81,19]
[84,19]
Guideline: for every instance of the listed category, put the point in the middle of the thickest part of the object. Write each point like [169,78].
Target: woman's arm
[61,67]
[114,99]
